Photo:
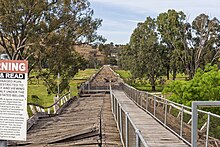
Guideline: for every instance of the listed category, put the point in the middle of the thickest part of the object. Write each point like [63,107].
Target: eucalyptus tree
[125,57]
[194,45]
[171,28]
[147,61]
[206,40]
[36,30]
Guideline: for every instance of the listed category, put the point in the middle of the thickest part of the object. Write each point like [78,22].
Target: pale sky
[120,17]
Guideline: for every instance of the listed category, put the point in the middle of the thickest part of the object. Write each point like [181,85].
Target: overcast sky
[120,17]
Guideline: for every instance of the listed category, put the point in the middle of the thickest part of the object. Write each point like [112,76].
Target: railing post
[194,125]
[154,105]
[126,127]
[207,130]
[141,100]
[117,110]
[137,138]
[113,104]
[181,122]
[165,116]
[120,120]
[48,110]
[146,101]
[88,87]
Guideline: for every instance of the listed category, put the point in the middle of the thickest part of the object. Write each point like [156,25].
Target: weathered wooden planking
[153,132]
[78,125]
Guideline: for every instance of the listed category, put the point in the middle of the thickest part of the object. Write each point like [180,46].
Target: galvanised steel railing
[175,117]
[130,135]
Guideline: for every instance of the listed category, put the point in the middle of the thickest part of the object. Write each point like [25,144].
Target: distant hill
[90,54]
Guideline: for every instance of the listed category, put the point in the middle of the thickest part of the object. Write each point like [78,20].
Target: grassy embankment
[37,88]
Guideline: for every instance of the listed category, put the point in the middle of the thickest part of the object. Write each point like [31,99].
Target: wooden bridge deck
[153,132]
[88,121]
[78,125]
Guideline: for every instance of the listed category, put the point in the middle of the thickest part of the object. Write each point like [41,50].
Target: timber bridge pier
[110,113]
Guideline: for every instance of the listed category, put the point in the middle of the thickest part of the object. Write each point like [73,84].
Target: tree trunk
[153,88]
[174,74]
[168,72]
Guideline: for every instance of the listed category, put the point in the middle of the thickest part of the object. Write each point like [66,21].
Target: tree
[204,86]
[194,45]
[206,40]
[26,25]
[106,49]
[170,25]
[44,33]
[147,52]
[125,57]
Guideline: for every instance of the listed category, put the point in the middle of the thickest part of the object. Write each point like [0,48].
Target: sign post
[13,100]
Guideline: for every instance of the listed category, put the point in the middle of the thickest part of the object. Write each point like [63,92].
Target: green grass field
[36,88]
[144,84]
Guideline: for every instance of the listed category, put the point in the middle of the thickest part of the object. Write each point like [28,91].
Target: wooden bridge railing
[175,117]
[40,111]
[52,109]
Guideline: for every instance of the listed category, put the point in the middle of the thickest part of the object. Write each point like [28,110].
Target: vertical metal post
[88,87]
[146,101]
[132,95]
[120,121]
[114,105]
[137,138]
[111,96]
[116,110]
[141,100]
[165,116]
[154,105]
[181,122]
[126,127]
[3,143]
[194,125]
[195,118]
[207,131]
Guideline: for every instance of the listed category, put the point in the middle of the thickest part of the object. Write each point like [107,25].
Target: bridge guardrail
[175,117]
[40,111]
[35,108]
[130,135]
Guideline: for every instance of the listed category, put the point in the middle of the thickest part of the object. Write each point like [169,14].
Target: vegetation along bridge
[109,112]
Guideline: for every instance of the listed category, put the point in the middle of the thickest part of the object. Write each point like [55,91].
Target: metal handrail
[138,134]
[133,95]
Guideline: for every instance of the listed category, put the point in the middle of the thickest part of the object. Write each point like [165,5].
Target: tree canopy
[180,46]
[45,31]
[145,52]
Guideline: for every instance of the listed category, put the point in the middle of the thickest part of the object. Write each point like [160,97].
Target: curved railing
[35,108]
[40,111]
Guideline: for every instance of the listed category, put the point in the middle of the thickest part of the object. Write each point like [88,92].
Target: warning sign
[13,99]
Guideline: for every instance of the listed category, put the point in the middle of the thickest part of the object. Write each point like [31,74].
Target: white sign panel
[13,99]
